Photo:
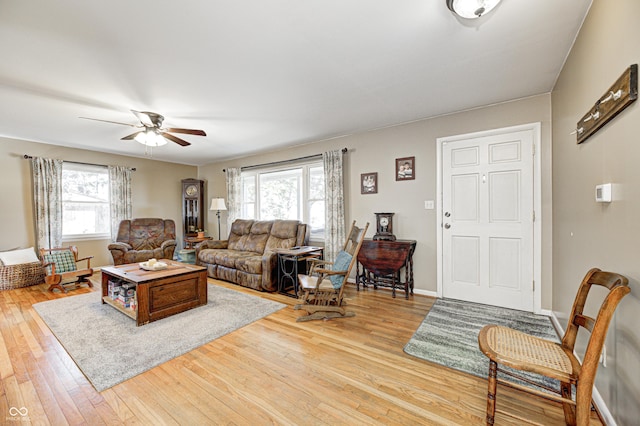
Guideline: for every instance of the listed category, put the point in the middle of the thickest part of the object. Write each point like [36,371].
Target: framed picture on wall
[406,168]
[369,183]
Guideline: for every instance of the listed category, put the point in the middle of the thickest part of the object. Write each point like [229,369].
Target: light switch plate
[603,193]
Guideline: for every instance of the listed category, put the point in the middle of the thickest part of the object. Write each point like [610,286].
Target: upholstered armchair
[142,239]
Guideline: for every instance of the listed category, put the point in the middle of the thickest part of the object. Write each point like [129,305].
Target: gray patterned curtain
[334,232]
[234,194]
[47,196]
[120,197]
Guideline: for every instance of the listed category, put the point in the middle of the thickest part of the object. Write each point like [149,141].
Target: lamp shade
[150,138]
[471,9]
[217,204]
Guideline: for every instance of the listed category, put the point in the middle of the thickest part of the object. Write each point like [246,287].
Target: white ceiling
[259,75]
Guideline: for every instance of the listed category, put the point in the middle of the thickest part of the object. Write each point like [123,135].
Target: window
[248,210]
[85,202]
[315,202]
[286,193]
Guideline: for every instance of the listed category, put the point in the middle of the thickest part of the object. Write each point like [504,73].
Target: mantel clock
[384,227]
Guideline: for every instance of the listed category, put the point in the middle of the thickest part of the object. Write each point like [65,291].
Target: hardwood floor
[273,371]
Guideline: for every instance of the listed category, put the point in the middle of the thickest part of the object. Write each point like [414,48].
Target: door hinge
[534,149]
[534,216]
[533,287]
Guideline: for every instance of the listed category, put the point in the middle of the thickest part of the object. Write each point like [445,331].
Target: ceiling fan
[152,133]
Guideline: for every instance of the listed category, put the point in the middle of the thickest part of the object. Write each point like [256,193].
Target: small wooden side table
[381,263]
[189,242]
[292,262]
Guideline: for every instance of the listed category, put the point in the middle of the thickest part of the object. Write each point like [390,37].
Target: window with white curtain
[293,192]
[85,202]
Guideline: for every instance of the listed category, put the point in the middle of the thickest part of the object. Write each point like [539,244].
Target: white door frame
[537,201]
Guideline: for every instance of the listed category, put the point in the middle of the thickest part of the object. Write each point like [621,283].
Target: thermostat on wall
[603,193]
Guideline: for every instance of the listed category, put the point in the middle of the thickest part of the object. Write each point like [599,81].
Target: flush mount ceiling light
[471,9]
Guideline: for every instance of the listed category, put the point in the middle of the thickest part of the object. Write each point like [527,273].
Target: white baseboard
[425,292]
[555,322]
[415,290]
[606,415]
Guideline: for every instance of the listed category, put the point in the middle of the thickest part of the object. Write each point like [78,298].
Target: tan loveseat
[247,257]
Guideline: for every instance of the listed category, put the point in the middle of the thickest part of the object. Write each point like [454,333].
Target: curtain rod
[29,157]
[293,160]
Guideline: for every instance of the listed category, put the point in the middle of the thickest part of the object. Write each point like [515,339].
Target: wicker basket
[22,275]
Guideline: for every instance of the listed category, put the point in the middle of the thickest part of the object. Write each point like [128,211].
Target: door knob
[447,226]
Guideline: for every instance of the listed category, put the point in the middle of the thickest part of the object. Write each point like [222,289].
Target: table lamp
[218,205]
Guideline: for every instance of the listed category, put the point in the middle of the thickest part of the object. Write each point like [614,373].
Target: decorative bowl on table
[152,265]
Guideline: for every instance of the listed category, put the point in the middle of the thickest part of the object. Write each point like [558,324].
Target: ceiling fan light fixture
[471,9]
[150,138]
[141,138]
[152,133]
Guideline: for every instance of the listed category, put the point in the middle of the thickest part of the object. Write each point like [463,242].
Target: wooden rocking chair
[323,289]
[61,268]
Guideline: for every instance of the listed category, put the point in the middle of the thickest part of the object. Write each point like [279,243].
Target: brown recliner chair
[142,239]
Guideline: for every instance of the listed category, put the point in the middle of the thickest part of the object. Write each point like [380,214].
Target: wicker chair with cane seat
[323,288]
[524,352]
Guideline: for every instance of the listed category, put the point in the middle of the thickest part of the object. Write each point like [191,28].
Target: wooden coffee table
[160,294]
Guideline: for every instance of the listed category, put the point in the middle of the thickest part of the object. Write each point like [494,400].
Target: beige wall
[156,191]
[586,233]
[375,151]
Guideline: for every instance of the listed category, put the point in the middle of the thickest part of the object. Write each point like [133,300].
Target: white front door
[487,219]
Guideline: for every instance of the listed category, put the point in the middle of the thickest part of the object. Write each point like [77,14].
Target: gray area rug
[449,336]
[109,348]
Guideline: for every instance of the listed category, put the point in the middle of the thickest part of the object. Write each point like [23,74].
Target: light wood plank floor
[273,371]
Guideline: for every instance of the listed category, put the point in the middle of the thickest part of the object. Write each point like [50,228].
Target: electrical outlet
[603,356]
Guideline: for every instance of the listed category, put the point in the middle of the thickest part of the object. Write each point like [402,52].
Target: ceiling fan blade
[131,136]
[109,121]
[187,131]
[175,139]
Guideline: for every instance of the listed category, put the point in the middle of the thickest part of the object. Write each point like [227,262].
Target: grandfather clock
[192,206]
